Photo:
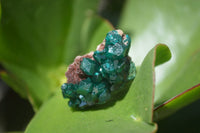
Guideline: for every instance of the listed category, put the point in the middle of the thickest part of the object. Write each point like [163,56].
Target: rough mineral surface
[94,78]
[75,74]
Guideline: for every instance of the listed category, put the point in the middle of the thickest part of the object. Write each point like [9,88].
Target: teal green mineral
[89,66]
[85,87]
[102,75]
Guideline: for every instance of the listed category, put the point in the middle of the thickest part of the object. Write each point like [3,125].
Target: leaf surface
[133,113]
[38,39]
[177,102]
[175,23]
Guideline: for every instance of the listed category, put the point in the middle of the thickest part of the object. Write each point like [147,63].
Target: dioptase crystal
[104,97]
[105,73]
[99,56]
[116,51]
[114,78]
[68,90]
[108,66]
[85,87]
[132,71]
[89,66]
[97,77]
[74,102]
[100,89]
[112,38]
[83,102]
[123,65]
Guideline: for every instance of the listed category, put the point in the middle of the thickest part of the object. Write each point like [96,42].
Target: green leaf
[185,120]
[133,113]
[16,85]
[185,76]
[0,10]
[15,132]
[176,23]
[38,39]
[162,55]
[144,84]
[177,102]
[62,119]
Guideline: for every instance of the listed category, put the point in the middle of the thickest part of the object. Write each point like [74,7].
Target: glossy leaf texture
[173,22]
[38,39]
[177,102]
[133,113]
[15,132]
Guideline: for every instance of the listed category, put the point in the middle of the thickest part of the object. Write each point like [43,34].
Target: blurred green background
[16,112]
[175,23]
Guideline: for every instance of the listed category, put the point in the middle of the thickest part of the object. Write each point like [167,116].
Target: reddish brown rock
[74,74]
[101,46]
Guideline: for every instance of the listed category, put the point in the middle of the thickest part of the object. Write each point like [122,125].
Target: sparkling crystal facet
[89,66]
[107,73]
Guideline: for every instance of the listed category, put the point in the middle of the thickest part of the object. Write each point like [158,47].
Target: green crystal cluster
[109,69]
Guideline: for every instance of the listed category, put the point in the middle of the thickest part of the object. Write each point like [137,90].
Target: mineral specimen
[96,77]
